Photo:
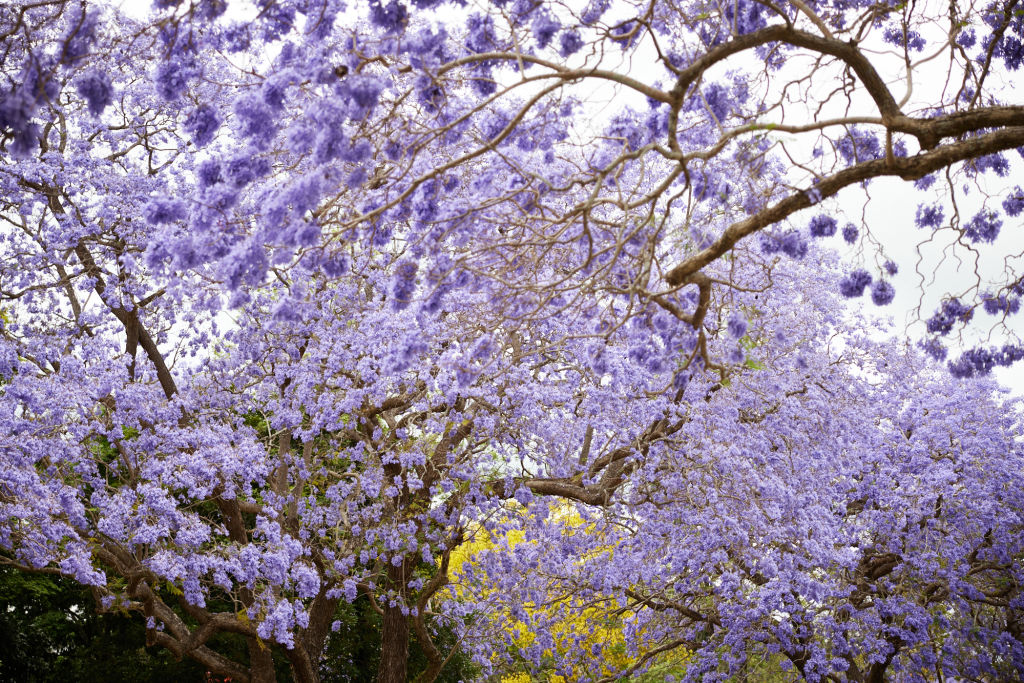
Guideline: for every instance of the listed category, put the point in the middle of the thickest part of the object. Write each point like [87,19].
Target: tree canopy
[298,297]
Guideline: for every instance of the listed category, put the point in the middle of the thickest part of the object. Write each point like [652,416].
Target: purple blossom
[159,211]
[1013,204]
[850,233]
[544,28]
[594,11]
[365,92]
[94,86]
[737,326]
[334,265]
[404,284]
[80,36]
[16,112]
[202,123]
[256,118]
[245,168]
[570,43]
[793,244]
[790,242]
[929,216]
[430,93]
[823,226]
[859,145]
[481,35]
[995,163]
[1001,304]
[882,293]
[934,348]
[391,17]
[276,19]
[1011,50]
[208,173]
[984,227]
[951,312]
[718,100]
[853,285]
[980,361]
[896,35]
[173,76]
[626,34]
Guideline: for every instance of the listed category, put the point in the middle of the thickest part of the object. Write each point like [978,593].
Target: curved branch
[908,168]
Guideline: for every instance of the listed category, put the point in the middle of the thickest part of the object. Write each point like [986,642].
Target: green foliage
[353,651]
[50,631]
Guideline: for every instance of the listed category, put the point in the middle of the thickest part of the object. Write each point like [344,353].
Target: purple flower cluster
[570,42]
[850,233]
[391,17]
[718,100]
[1011,50]
[165,210]
[256,119]
[934,348]
[949,314]
[202,123]
[1001,304]
[980,361]
[245,168]
[859,145]
[1013,204]
[594,11]
[854,284]
[403,284]
[882,293]
[174,74]
[929,216]
[364,92]
[737,326]
[791,243]
[995,163]
[80,36]
[823,226]
[984,227]
[94,86]
[896,35]
[544,28]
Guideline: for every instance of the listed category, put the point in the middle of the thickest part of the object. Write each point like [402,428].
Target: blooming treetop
[295,296]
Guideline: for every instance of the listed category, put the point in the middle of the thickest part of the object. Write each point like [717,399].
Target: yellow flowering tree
[578,635]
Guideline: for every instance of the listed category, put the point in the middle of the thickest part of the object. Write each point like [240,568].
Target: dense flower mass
[823,226]
[515,323]
[855,283]
[984,227]
[97,91]
[882,292]
[949,314]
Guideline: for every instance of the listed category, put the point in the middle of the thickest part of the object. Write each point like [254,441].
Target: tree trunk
[394,638]
[304,668]
[261,662]
[309,650]
[394,647]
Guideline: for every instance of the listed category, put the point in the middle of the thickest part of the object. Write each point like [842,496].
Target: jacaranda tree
[296,296]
